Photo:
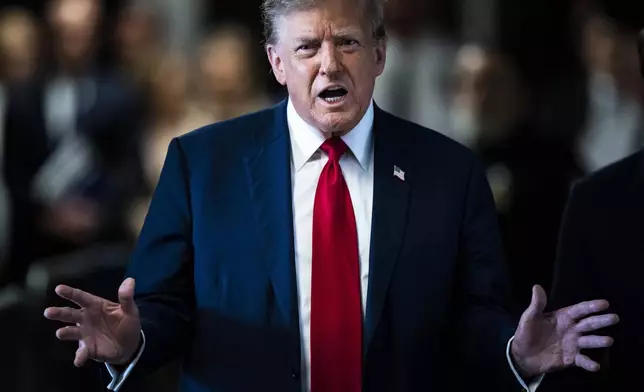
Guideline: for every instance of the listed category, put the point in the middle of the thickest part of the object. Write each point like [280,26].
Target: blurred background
[91,92]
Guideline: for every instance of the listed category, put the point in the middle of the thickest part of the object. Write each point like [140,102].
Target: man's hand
[546,342]
[106,331]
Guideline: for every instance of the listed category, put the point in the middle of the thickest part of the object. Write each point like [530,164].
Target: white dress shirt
[307,162]
[306,166]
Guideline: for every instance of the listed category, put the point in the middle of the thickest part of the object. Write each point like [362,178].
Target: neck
[232,105]
[329,135]
[170,115]
[72,67]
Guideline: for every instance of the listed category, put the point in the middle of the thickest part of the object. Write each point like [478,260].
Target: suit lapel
[390,204]
[269,182]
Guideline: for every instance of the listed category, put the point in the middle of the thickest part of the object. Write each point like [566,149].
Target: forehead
[73,11]
[333,17]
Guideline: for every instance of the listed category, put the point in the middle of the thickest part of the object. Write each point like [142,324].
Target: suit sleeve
[573,284]
[486,323]
[162,265]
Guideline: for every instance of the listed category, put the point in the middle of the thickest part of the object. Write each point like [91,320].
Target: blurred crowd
[84,141]
[92,92]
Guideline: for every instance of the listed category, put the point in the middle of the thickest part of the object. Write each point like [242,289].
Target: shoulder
[230,136]
[22,92]
[613,181]
[427,147]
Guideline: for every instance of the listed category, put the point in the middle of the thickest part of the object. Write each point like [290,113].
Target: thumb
[539,300]
[126,296]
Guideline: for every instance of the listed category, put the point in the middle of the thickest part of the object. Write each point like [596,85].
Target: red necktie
[336,311]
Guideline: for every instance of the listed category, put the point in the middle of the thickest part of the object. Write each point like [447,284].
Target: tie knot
[334,147]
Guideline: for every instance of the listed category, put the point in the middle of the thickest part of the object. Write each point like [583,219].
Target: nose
[330,62]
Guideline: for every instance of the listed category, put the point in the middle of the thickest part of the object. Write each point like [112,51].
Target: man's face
[74,23]
[225,66]
[487,96]
[329,62]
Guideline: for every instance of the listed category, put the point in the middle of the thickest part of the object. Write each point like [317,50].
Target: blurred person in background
[18,59]
[71,132]
[614,125]
[229,81]
[529,174]
[419,63]
[5,201]
[175,111]
[140,38]
[19,45]
[601,237]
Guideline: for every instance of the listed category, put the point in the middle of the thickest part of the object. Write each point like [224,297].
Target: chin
[338,121]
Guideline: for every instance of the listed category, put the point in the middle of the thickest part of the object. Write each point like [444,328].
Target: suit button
[295,374]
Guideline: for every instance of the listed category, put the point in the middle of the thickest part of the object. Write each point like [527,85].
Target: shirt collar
[306,139]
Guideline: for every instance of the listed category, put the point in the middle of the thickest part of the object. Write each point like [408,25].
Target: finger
[66,315]
[69,333]
[538,301]
[587,308]
[586,363]
[539,298]
[81,354]
[79,297]
[593,323]
[592,341]
[126,296]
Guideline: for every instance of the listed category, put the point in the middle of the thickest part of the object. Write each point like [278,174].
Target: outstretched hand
[106,331]
[546,342]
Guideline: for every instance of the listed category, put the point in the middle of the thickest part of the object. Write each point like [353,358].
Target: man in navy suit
[324,245]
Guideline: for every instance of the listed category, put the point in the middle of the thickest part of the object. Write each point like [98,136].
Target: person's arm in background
[21,162]
[119,142]
[573,283]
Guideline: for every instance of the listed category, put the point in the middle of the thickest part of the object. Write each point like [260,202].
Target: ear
[380,52]
[276,63]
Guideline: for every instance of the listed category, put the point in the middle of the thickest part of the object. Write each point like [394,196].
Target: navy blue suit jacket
[216,278]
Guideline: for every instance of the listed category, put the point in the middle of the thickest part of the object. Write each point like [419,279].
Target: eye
[307,47]
[349,42]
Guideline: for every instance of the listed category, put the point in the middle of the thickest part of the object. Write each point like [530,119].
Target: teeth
[334,99]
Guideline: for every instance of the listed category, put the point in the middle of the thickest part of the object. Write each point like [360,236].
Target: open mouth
[333,94]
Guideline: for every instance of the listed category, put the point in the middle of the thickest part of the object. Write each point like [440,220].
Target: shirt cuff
[534,384]
[118,378]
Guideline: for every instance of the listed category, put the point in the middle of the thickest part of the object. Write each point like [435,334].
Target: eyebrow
[307,40]
[310,39]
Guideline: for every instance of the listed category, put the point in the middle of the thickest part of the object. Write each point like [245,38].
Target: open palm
[106,331]
[546,342]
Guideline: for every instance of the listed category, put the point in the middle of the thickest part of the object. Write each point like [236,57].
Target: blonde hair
[274,9]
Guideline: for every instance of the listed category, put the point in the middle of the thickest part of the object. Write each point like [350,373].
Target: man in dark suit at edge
[324,245]
[600,253]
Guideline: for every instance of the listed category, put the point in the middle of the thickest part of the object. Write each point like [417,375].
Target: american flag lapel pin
[399,173]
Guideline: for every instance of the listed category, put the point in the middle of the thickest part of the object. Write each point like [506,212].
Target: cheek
[362,72]
[301,75]
[363,84]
